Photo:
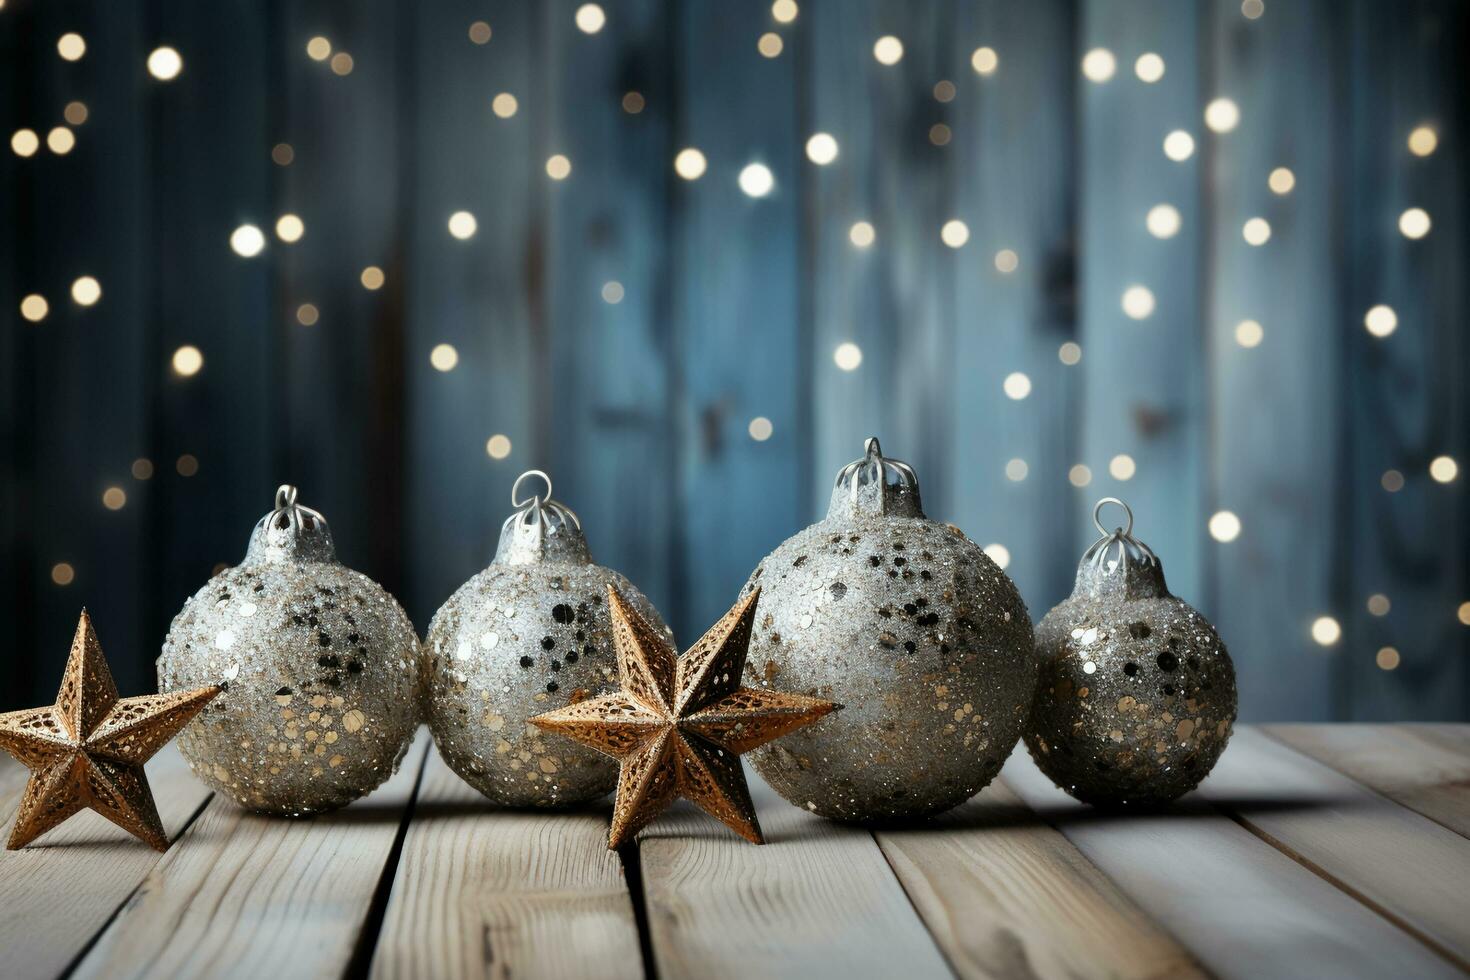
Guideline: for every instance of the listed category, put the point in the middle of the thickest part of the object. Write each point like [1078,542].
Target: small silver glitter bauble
[318,666]
[530,633]
[906,623]
[1136,697]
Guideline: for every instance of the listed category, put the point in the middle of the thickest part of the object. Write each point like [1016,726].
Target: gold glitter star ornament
[87,750]
[680,723]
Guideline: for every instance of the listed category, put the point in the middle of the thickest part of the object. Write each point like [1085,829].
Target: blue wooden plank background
[667,348]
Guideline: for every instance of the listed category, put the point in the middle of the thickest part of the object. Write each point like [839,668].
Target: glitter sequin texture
[1136,698]
[529,634]
[907,624]
[318,666]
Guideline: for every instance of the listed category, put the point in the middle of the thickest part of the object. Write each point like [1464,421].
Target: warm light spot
[34,307]
[1098,65]
[940,134]
[888,50]
[480,32]
[60,141]
[954,233]
[999,554]
[690,163]
[1069,353]
[612,292]
[1122,467]
[985,61]
[504,105]
[497,446]
[1163,221]
[342,63]
[1381,320]
[784,11]
[142,469]
[756,180]
[307,314]
[71,47]
[1252,9]
[1326,630]
[1443,469]
[847,356]
[75,113]
[1281,180]
[1423,140]
[86,291]
[1414,223]
[1138,302]
[862,234]
[1222,115]
[165,64]
[1016,386]
[290,228]
[1464,613]
[1392,481]
[1249,333]
[1016,470]
[558,167]
[1079,475]
[444,357]
[590,18]
[770,44]
[62,573]
[187,361]
[247,241]
[1378,604]
[1256,231]
[944,91]
[821,149]
[113,498]
[1149,67]
[187,465]
[633,103]
[1006,261]
[1224,526]
[1387,658]
[760,428]
[25,142]
[282,154]
[1178,146]
[462,225]
[318,48]
[372,278]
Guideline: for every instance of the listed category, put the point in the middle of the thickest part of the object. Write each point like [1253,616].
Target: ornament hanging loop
[1097,513]
[538,500]
[540,529]
[877,484]
[1118,562]
[291,531]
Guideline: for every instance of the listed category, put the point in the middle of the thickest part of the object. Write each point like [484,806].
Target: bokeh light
[444,357]
[187,361]
[165,64]
[847,356]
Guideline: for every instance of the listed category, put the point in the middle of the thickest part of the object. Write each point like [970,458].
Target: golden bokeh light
[862,234]
[1387,658]
[282,154]
[1006,261]
[1138,302]
[1423,140]
[1256,231]
[633,103]
[504,105]
[60,141]
[318,48]
[690,163]
[187,361]
[307,314]
[142,468]
[1099,65]
[1070,353]
[86,291]
[888,50]
[613,292]
[784,11]
[760,428]
[444,357]
[1149,68]
[1443,469]
[1281,181]
[944,91]
[62,573]
[372,278]
[34,307]
[25,142]
[1163,221]
[1326,631]
[247,241]
[955,233]
[1378,604]
[1178,146]
[462,225]
[1381,320]
[114,498]
[497,446]
[1249,333]
[1016,386]
[770,44]
[187,465]
[1222,115]
[75,113]
[342,63]
[985,61]
[165,63]
[1392,481]
[1122,467]
[1079,475]
[1224,526]
[1252,9]
[848,356]
[558,166]
[999,554]
[821,149]
[940,134]
[756,180]
[1414,223]
[590,18]
[71,46]
[290,228]
[1016,470]
[480,32]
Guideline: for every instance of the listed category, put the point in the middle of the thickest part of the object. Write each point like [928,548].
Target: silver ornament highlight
[1136,697]
[530,633]
[318,666]
[920,637]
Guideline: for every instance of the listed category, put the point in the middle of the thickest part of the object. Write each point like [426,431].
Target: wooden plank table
[1312,851]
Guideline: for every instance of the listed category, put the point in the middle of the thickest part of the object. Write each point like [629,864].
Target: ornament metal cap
[875,484]
[1118,563]
[291,532]
[541,529]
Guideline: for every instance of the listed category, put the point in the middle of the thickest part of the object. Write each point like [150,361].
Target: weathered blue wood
[1275,415]
[1404,397]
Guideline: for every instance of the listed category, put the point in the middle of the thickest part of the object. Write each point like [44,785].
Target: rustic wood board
[1400,761]
[1403,864]
[505,893]
[57,893]
[260,896]
[818,900]
[1006,895]
[1242,907]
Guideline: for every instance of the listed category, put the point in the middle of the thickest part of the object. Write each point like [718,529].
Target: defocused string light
[75,113]
[71,46]
[861,234]
[497,446]
[1392,481]
[342,63]
[1121,467]
[165,63]
[290,228]
[142,468]
[1099,65]
[756,180]
[444,357]
[187,361]
[1443,469]
[821,149]
[372,278]
[282,154]
[888,50]
[1378,604]
[307,314]
[1387,658]
[1016,470]
[1079,475]
[558,166]
[1138,302]
[633,103]
[690,163]
[783,11]
[760,428]
[480,32]
[1256,231]
[1222,115]
[62,573]
[34,307]
[1326,631]
[590,18]
[1463,613]
[247,241]
[1281,181]
[1163,221]
[187,465]
[1252,9]
[1249,333]
[1070,353]
[1016,386]
[955,233]
[25,142]
[114,498]
[770,44]
[848,356]
[1149,68]
[60,141]
[86,291]
[944,91]
[1414,223]
[1423,140]
[462,225]
[1381,320]
[612,292]
[940,134]
[1178,146]
[504,105]
[999,554]
[1006,261]
[318,48]
[1224,526]
[985,61]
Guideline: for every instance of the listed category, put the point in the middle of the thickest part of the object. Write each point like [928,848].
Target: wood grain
[1400,761]
[502,893]
[260,896]
[817,900]
[57,893]
[1241,906]
[1006,895]
[1407,866]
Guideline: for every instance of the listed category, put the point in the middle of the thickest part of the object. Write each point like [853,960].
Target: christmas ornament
[87,750]
[679,724]
[318,666]
[529,632]
[1136,697]
[923,639]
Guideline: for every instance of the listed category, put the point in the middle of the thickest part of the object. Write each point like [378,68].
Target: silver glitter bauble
[528,634]
[914,630]
[318,666]
[1136,697]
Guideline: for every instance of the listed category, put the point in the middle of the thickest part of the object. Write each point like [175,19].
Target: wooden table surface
[1311,851]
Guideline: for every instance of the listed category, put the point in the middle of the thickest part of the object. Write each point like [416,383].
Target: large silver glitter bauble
[1136,697]
[914,630]
[528,634]
[318,666]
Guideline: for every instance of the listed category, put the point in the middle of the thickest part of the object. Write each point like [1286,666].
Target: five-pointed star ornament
[680,724]
[88,749]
